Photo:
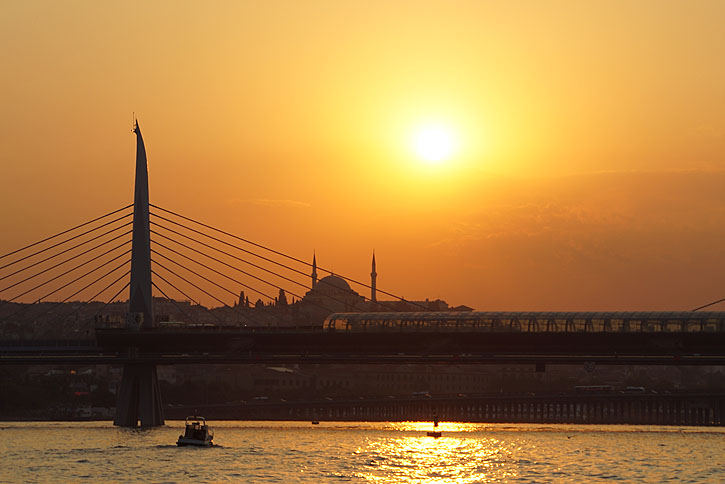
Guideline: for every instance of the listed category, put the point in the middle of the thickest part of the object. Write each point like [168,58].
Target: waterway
[291,452]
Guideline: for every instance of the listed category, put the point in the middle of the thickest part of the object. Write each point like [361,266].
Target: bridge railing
[635,322]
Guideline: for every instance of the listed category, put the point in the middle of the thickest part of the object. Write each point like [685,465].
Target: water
[289,452]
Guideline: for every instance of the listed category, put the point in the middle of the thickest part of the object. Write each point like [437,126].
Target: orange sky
[589,175]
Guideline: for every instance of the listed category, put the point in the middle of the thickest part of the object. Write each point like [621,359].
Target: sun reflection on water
[458,456]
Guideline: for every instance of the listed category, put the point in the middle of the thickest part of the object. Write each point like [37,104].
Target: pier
[691,409]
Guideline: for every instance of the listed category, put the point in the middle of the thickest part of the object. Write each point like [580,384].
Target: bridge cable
[233,257]
[235,268]
[93,297]
[241,249]
[110,300]
[191,318]
[242,271]
[274,252]
[65,232]
[208,280]
[185,280]
[188,282]
[230,278]
[216,260]
[230,255]
[75,293]
[222,287]
[73,269]
[708,305]
[281,276]
[67,240]
[68,260]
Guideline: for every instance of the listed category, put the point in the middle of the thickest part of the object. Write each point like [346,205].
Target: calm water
[287,452]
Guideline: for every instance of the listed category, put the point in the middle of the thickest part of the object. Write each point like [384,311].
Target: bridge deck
[212,346]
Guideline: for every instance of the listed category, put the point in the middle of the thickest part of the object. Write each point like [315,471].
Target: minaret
[373,277]
[314,271]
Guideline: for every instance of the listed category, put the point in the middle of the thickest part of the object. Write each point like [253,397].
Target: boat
[434,433]
[196,433]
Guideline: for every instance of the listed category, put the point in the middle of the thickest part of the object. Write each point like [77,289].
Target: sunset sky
[585,165]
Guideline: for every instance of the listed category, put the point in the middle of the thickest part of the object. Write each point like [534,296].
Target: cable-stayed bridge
[166,264]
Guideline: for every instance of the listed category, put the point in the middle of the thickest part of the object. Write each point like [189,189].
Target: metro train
[529,322]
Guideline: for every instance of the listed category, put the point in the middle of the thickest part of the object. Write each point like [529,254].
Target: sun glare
[435,143]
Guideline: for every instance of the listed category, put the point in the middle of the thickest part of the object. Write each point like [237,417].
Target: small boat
[315,422]
[434,433]
[196,433]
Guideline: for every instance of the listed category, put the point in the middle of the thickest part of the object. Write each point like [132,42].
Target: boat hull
[183,442]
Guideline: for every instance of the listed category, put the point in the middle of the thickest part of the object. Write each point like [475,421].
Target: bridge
[328,322]
[606,407]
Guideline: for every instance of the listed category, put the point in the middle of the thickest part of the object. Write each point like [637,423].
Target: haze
[588,174]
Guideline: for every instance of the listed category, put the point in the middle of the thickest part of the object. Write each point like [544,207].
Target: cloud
[613,216]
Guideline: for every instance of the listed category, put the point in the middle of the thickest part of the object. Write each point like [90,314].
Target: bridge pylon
[139,398]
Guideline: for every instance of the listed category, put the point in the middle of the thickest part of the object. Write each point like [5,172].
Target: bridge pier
[139,397]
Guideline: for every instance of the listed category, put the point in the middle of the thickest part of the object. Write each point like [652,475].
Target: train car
[528,322]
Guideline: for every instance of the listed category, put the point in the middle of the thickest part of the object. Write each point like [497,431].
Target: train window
[632,326]
[427,325]
[578,325]
[672,326]
[711,325]
[338,324]
[598,325]
[465,325]
[616,325]
[693,326]
[651,326]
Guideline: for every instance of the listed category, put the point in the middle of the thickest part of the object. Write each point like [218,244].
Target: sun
[435,142]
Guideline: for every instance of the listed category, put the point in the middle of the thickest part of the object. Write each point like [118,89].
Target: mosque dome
[332,281]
